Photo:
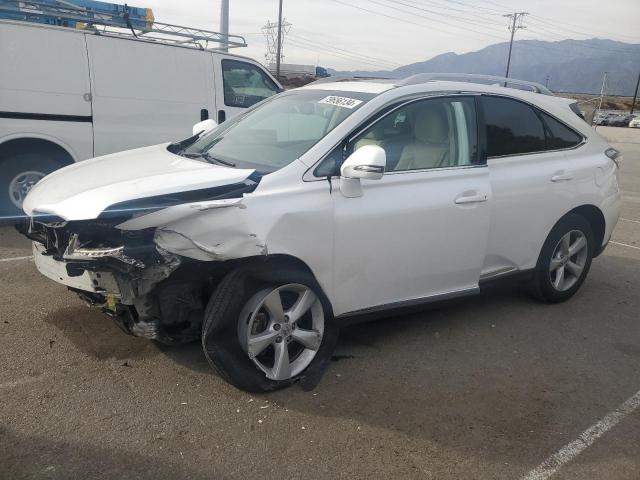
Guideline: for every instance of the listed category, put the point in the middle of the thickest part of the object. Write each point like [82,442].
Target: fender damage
[136,262]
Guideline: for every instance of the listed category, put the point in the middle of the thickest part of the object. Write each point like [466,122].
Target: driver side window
[245,84]
[426,134]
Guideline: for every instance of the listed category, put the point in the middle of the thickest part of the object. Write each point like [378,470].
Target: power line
[431,27]
[445,15]
[467,29]
[474,10]
[548,31]
[562,26]
[332,53]
[346,52]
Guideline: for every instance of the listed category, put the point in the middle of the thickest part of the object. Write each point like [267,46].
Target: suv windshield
[276,132]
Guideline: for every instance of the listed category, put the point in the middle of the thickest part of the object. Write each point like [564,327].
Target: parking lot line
[15,259]
[629,220]
[624,245]
[552,464]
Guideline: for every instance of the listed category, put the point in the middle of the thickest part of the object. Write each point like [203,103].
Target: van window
[513,128]
[245,84]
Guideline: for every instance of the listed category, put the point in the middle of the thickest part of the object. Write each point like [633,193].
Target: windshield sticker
[344,102]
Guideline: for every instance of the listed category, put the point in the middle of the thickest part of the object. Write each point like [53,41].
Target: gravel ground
[483,388]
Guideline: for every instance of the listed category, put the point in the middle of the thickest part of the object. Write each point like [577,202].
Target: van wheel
[565,260]
[18,174]
[265,329]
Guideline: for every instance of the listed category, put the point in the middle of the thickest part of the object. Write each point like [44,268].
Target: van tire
[11,168]
[220,340]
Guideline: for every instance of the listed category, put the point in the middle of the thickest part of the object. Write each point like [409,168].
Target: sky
[385,34]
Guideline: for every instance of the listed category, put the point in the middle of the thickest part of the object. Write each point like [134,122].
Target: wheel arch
[595,217]
[282,262]
[61,153]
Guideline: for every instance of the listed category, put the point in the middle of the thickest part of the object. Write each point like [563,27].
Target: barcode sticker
[344,102]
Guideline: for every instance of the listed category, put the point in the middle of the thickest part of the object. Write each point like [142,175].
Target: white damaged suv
[331,202]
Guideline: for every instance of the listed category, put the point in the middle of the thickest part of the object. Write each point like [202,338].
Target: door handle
[561,177]
[222,116]
[462,199]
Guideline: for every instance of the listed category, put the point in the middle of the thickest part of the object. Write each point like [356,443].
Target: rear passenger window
[559,135]
[245,84]
[513,127]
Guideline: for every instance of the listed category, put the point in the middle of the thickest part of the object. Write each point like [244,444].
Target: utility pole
[635,95]
[224,23]
[546,84]
[602,89]
[279,47]
[515,25]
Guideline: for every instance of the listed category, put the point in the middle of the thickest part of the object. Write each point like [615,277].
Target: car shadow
[27,457]
[493,375]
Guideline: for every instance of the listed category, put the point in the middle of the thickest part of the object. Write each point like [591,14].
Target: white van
[68,95]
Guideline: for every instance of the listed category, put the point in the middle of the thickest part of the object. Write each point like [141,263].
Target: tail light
[614,155]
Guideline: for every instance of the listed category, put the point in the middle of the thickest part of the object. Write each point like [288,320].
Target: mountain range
[571,65]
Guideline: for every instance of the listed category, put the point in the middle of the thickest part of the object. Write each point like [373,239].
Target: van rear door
[240,84]
[146,93]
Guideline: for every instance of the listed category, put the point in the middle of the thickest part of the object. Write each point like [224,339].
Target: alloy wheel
[281,330]
[568,260]
[21,184]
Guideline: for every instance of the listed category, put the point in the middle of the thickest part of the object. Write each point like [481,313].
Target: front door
[421,231]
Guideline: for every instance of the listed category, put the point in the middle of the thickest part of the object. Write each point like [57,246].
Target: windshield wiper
[210,158]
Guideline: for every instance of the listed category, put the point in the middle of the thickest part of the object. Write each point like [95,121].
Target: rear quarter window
[559,135]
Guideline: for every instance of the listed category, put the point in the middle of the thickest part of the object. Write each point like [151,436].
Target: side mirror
[204,126]
[367,162]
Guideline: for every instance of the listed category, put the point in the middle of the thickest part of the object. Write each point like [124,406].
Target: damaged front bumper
[123,273]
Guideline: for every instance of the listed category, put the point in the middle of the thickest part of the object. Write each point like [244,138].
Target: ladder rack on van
[118,20]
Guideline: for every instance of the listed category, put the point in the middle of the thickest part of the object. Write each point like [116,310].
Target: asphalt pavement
[490,387]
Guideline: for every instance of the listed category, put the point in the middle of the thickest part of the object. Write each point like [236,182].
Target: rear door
[529,175]
[421,231]
[145,93]
[239,85]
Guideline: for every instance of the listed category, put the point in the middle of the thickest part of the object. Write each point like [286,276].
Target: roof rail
[473,78]
[335,79]
[119,24]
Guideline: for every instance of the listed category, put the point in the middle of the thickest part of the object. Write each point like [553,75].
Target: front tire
[265,328]
[565,260]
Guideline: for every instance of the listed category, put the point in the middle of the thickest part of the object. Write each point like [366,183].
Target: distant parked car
[602,118]
[635,121]
[621,120]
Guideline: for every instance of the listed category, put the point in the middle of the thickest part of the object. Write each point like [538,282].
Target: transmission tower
[516,24]
[270,32]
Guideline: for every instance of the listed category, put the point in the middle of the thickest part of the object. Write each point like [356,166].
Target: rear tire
[564,261]
[18,173]
[238,299]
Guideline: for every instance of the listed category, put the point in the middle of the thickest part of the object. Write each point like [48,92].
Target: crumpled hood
[84,190]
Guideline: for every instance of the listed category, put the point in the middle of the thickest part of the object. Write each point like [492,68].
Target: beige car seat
[374,137]
[430,148]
